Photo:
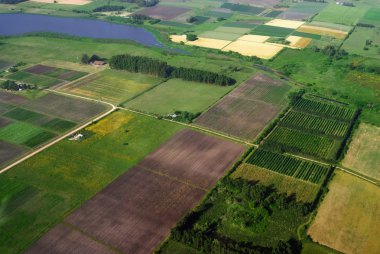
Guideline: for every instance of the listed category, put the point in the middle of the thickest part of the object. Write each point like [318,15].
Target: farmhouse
[98,63]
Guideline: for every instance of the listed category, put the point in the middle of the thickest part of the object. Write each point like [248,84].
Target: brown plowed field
[164,12]
[12,98]
[135,213]
[9,152]
[69,108]
[4,122]
[64,240]
[39,69]
[194,157]
[248,109]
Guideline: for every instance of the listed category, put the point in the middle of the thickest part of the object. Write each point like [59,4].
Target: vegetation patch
[21,114]
[339,14]
[19,133]
[252,10]
[59,125]
[272,31]
[37,80]
[8,152]
[39,139]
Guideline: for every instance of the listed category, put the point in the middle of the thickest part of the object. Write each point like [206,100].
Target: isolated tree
[85,59]
[191,37]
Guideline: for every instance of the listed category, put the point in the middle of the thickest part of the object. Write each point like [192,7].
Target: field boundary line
[58,139]
[349,171]
[143,92]
[188,183]
[79,79]
[75,228]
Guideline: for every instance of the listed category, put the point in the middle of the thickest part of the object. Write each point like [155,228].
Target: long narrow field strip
[143,204]
[247,109]
[54,72]
[304,121]
[323,31]
[304,191]
[209,43]
[348,218]
[327,110]
[33,79]
[293,24]
[290,166]
[21,114]
[254,38]
[273,31]
[111,85]
[301,142]
[298,42]
[249,48]
[219,35]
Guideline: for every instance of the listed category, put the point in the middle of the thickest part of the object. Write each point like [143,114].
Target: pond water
[20,23]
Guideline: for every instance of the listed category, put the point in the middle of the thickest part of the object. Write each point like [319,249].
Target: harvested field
[65,239]
[39,69]
[178,38]
[11,98]
[219,35]
[209,43]
[298,42]
[285,23]
[68,108]
[323,31]
[194,158]
[4,122]
[9,152]
[247,48]
[363,153]
[303,191]
[71,2]
[136,212]
[273,31]
[248,109]
[292,15]
[59,73]
[164,12]
[348,218]
[254,38]
[111,85]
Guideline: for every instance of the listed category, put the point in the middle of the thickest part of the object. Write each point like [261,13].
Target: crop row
[290,166]
[290,140]
[325,109]
[315,124]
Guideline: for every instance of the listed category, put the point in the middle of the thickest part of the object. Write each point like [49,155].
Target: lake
[20,23]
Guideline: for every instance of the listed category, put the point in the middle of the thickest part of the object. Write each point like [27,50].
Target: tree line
[162,69]
[143,3]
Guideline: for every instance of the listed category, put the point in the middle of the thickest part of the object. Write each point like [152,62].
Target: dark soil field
[74,242]
[72,109]
[294,15]
[248,109]
[9,151]
[265,3]
[11,98]
[194,158]
[164,12]
[39,69]
[4,122]
[135,213]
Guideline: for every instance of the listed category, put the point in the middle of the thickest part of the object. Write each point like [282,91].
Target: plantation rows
[325,109]
[297,168]
[316,124]
[284,139]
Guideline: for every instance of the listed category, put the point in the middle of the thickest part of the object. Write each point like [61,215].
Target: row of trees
[162,69]
[11,85]
[108,8]
[143,3]
[11,1]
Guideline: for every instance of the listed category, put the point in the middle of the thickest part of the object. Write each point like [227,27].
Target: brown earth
[9,152]
[69,108]
[244,112]
[11,98]
[194,158]
[163,12]
[39,69]
[4,122]
[135,213]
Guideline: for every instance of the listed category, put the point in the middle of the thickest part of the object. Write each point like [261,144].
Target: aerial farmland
[189,126]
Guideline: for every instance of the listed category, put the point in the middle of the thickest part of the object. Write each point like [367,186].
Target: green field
[39,192]
[372,16]
[219,35]
[341,14]
[112,85]
[19,133]
[218,14]
[273,31]
[307,7]
[23,115]
[364,41]
[58,125]
[303,191]
[177,94]
[33,79]
[239,25]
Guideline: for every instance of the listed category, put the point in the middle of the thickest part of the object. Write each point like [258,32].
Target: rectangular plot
[5,107]
[218,14]
[38,139]
[243,8]
[9,152]
[59,125]
[164,12]
[240,24]
[272,31]
[39,69]
[69,108]
[234,30]
[194,157]
[10,98]
[33,79]
[136,212]
[21,114]
[219,35]
[18,132]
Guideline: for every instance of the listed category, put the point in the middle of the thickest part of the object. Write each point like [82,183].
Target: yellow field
[178,38]
[363,154]
[349,217]
[304,191]
[298,42]
[285,23]
[254,38]
[73,2]
[209,43]
[247,48]
[322,31]
[73,66]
